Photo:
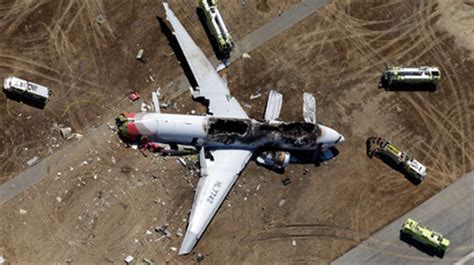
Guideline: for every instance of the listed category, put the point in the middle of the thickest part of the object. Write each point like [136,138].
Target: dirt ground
[106,200]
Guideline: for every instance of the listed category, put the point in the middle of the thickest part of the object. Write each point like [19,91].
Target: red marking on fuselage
[132,131]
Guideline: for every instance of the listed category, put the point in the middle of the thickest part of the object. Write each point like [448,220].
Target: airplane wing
[217,178]
[210,85]
[309,108]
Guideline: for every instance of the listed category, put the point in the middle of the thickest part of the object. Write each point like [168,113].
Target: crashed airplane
[226,138]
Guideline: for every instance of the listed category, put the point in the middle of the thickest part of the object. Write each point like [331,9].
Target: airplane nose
[330,137]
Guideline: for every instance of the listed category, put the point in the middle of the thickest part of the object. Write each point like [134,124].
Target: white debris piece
[246,55]
[282,201]
[114,160]
[255,96]
[181,160]
[179,232]
[59,199]
[173,249]
[148,232]
[258,187]
[2,260]
[32,161]
[143,108]
[293,243]
[140,54]
[23,212]
[129,259]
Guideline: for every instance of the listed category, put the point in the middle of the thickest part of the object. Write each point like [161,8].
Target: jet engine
[275,159]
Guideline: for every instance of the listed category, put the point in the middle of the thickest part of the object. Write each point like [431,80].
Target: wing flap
[274,102]
[309,108]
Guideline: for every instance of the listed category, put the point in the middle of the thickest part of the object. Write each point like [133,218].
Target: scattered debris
[148,232]
[140,55]
[111,127]
[23,212]
[66,132]
[179,232]
[255,96]
[32,161]
[173,249]
[293,243]
[163,230]
[181,160]
[114,160]
[282,201]
[246,55]
[398,109]
[59,199]
[134,96]
[126,169]
[286,181]
[129,259]
[144,107]
[148,261]
[258,187]
[2,260]
[100,19]
[199,257]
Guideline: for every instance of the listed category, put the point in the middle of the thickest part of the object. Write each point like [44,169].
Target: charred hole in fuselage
[228,126]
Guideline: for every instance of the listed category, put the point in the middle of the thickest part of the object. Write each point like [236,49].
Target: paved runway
[450,212]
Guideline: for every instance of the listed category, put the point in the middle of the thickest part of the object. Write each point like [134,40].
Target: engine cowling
[274,159]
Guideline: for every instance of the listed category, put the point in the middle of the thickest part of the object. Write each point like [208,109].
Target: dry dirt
[99,211]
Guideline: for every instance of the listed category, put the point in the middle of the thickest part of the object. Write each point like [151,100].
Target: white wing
[272,112]
[210,85]
[217,178]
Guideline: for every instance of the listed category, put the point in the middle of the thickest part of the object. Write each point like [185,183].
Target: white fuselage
[228,132]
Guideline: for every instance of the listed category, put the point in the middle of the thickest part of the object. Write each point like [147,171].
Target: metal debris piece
[100,19]
[59,199]
[182,161]
[293,243]
[173,249]
[23,212]
[148,232]
[179,232]
[129,259]
[246,55]
[143,108]
[134,96]
[32,161]
[398,109]
[255,96]
[65,132]
[200,257]
[140,55]
[286,181]
[282,201]
[148,261]
[163,230]
[2,260]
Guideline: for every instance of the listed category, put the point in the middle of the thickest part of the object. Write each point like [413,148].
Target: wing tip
[189,241]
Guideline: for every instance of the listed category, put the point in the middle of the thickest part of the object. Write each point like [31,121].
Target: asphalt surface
[34,174]
[450,212]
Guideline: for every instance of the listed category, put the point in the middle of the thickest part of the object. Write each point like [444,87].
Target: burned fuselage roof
[272,135]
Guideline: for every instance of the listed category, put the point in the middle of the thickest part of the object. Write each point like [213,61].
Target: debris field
[106,203]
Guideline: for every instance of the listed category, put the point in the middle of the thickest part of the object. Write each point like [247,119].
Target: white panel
[309,108]
[275,100]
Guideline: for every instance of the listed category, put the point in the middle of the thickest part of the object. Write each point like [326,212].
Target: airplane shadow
[177,51]
[25,99]
[406,87]
[420,246]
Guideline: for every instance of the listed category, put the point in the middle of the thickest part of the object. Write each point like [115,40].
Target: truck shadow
[25,99]
[406,87]
[420,246]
